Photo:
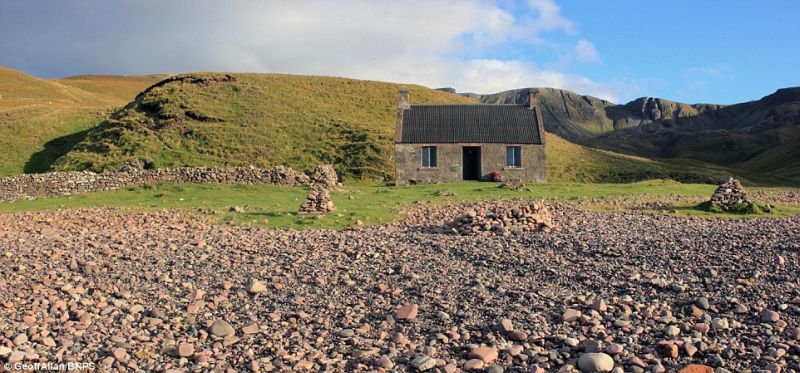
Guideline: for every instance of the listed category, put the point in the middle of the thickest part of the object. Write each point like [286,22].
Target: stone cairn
[325,175]
[728,194]
[318,201]
[485,220]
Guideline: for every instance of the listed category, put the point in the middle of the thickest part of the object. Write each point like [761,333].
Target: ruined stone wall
[66,183]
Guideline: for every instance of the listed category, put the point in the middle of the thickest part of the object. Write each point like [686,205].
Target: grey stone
[423,363]
[595,362]
[221,328]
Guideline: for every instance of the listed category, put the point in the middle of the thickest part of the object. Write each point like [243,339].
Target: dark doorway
[471,160]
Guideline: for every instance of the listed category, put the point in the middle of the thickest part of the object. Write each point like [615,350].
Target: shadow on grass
[53,149]
[699,211]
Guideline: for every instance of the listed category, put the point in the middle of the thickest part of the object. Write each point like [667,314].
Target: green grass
[749,208]
[41,120]
[576,163]
[700,211]
[369,203]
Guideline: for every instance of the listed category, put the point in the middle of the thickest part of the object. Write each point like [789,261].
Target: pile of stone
[318,201]
[488,220]
[729,194]
[131,167]
[325,175]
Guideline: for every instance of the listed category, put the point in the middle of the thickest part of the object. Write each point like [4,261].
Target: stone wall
[66,183]
[449,169]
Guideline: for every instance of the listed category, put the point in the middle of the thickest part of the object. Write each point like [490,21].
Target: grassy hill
[41,119]
[570,162]
[264,119]
[254,119]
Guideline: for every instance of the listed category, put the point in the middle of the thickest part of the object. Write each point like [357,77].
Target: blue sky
[691,51]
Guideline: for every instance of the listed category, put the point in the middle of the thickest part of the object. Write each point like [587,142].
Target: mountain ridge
[756,135]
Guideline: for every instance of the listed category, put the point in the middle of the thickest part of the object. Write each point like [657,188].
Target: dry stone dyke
[75,182]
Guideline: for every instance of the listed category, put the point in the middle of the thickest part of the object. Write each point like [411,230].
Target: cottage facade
[451,143]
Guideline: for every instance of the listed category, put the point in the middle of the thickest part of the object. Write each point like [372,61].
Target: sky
[707,51]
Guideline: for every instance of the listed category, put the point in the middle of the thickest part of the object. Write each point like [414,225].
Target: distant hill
[758,137]
[40,119]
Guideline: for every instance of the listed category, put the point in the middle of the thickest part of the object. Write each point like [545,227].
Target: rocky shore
[628,291]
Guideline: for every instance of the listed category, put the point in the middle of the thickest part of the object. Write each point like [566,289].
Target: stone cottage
[451,143]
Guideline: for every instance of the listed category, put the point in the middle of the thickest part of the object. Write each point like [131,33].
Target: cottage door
[471,162]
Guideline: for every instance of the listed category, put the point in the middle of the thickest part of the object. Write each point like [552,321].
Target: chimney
[533,104]
[402,103]
[532,98]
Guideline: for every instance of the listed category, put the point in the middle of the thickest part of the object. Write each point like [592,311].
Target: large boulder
[595,362]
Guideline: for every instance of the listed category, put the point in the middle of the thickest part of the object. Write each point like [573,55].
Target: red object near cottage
[495,176]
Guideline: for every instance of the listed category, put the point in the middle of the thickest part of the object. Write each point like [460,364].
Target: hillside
[758,137]
[40,119]
[120,89]
[265,120]
[567,161]
[254,119]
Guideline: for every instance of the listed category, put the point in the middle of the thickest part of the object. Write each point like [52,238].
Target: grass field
[41,119]
[276,207]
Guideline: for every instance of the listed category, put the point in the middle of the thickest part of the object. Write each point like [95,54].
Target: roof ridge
[476,104]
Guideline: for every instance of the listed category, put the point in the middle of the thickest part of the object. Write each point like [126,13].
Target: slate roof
[507,124]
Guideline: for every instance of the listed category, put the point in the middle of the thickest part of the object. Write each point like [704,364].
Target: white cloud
[585,51]
[434,43]
[549,16]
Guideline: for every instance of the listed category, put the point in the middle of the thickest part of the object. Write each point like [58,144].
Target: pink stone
[250,329]
[185,349]
[702,327]
[614,348]
[407,312]
[571,315]
[474,364]
[770,316]
[486,354]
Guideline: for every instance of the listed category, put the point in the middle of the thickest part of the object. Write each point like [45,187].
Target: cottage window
[513,156]
[428,156]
